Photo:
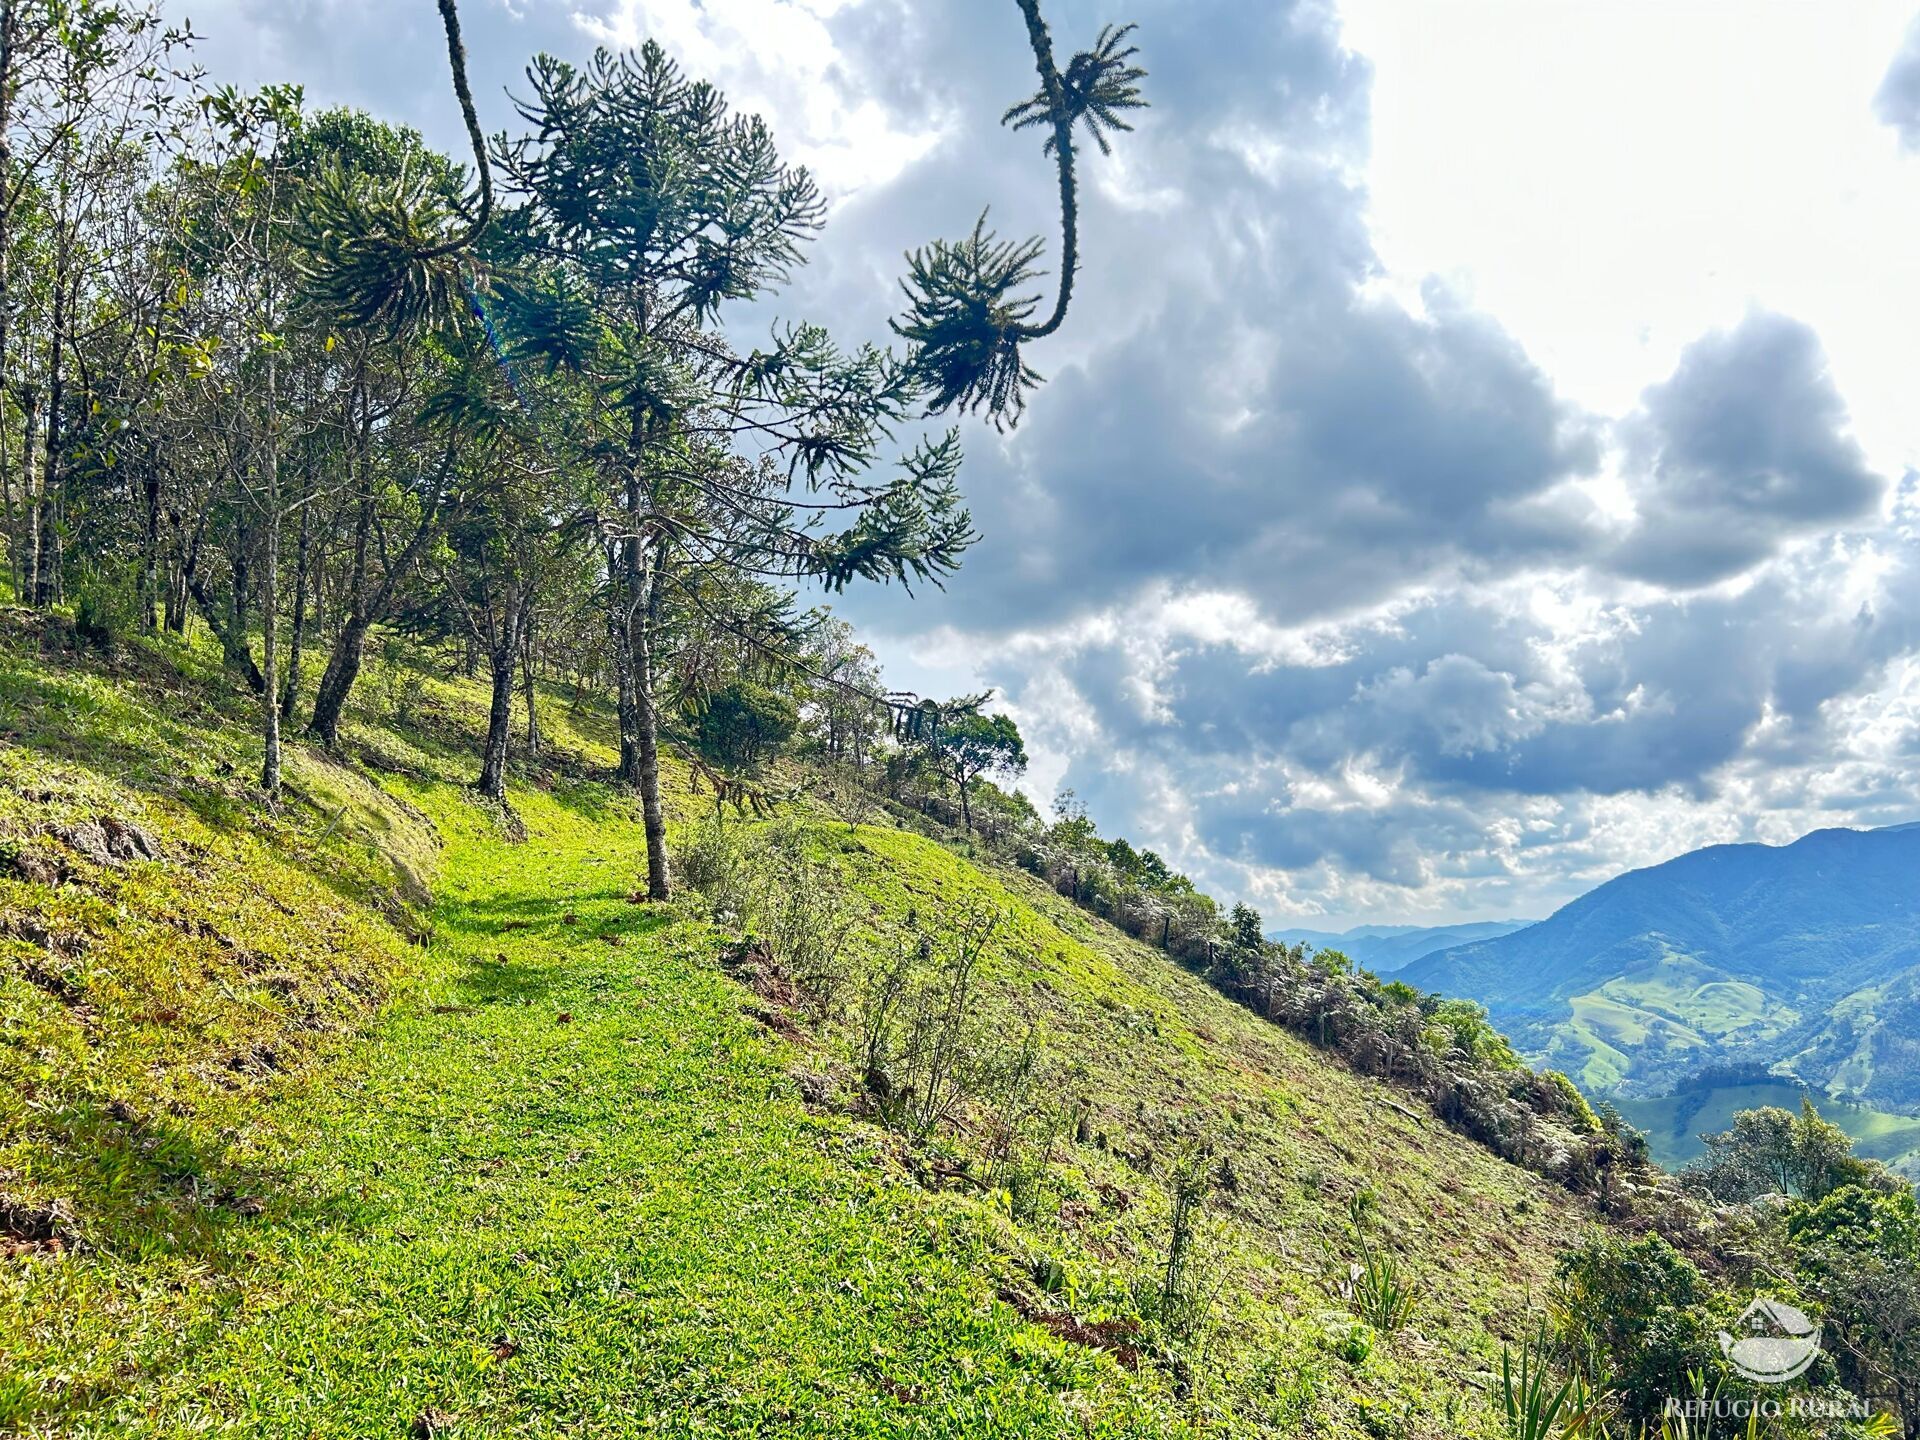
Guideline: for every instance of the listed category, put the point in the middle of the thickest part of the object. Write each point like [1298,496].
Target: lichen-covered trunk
[297,640]
[527,682]
[270,604]
[336,681]
[343,663]
[503,659]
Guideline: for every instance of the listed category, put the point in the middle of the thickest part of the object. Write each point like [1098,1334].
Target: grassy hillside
[363,1119]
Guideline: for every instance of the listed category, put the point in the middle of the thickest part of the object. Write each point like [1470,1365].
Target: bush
[713,859]
[761,881]
[743,723]
[106,608]
[1189,1279]
[1630,1309]
[929,1046]
[1572,1103]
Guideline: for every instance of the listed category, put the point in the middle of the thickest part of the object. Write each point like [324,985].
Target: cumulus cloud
[385,57]
[1897,102]
[1744,448]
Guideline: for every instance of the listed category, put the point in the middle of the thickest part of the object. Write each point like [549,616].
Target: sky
[1480,458]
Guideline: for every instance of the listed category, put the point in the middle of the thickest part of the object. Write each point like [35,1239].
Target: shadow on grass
[155,1192]
[498,976]
[491,916]
[595,801]
[153,1187]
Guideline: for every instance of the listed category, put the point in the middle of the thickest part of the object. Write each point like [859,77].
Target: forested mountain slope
[1804,955]
[578,1164]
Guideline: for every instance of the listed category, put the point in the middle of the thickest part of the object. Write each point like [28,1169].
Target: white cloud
[779,59]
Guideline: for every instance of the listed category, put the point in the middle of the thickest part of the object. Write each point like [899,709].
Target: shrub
[744,722]
[713,859]
[938,1049]
[106,608]
[1183,1291]
[1630,1309]
[760,880]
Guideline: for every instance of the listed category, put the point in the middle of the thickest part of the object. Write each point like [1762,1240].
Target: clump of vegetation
[1535,1407]
[1376,1286]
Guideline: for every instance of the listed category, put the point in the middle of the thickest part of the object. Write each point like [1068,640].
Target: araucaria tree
[644,209]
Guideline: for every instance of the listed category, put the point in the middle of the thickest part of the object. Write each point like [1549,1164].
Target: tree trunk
[622,607]
[655,824]
[336,681]
[29,512]
[270,606]
[503,658]
[45,558]
[233,648]
[343,665]
[186,567]
[290,690]
[365,607]
[9,21]
[149,585]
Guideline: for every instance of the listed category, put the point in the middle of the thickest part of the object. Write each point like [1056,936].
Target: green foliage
[1630,1309]
[365,245]
[1462,1027]
[1533,1406]
[107,608]
[1376,1287]
[1245,929]
[381,249]
[1857,1253]
[1774,1151]
[1098,85]
[969,745]
[1185,1291]
[743,723]
[967,317]
[1574,1103]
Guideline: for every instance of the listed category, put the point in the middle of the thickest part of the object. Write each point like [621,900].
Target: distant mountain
[1803,958]
[1386,948]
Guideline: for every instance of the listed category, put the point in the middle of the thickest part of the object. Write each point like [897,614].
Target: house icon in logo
[1773,1342]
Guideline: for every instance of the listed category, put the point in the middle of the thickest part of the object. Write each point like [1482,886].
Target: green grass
[584,1151]
[554,1173]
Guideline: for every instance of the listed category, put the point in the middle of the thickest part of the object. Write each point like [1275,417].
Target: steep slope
[1805,955]
[575,1177]
[1384,949]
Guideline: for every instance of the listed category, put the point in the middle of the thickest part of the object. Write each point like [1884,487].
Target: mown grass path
[571,1189]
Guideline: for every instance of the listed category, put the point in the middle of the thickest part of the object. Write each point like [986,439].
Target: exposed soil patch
[1118,1337]
[33,1230]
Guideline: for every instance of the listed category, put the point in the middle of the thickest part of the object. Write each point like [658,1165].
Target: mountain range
[1801,959]
[1384,949]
